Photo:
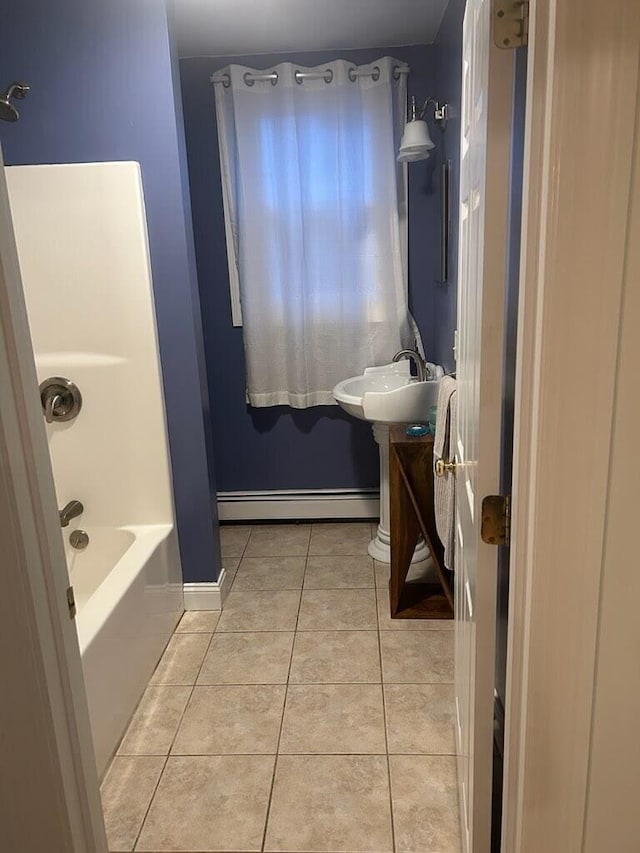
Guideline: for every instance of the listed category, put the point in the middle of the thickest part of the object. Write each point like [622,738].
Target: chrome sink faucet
[413,355]
[71,510]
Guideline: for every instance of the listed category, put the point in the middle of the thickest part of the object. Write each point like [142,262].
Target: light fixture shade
[416,142]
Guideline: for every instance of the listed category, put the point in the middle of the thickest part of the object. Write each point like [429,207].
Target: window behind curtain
[314,232]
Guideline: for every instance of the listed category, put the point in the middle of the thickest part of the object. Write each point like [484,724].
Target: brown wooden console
[412,514]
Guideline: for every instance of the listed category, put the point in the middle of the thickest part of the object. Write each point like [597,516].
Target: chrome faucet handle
[60,398]
[51,403]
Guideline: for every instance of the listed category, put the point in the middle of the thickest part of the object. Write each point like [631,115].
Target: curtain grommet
[375,74]
[248,79]
[351,74]
[328,77]
[274,79]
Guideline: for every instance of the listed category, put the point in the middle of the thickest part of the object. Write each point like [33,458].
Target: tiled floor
[301,719]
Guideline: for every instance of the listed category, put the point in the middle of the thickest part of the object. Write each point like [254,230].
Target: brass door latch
[443,467]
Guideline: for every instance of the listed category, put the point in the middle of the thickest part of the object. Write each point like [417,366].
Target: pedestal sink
[384,396]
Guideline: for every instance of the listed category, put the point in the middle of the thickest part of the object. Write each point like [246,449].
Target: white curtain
[315,209]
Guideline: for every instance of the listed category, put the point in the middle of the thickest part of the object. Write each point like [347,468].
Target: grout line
[284,706]
[386,735]
[297,683]
[289,754]
[412,754]
[295,631]
[173,739]
[118,754]
[240,558]
[284,684]
[295,589]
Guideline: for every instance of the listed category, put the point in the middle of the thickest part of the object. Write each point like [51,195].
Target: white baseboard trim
[207,596]
[301,504]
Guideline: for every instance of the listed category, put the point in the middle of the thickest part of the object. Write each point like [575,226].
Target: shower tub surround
[82,244]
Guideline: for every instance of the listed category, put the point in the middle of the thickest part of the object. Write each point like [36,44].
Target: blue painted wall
[448,46]
[102,89]
[280,448]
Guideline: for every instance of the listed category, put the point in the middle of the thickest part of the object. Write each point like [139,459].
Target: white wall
[82,244]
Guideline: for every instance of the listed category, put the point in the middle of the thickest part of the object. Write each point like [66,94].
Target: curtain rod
[327,76]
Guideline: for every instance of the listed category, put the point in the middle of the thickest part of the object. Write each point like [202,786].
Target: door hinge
[71,602]
[496,519]
[510,23]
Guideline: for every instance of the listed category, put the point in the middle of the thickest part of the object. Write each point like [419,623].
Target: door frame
[551,659]
[580,135]
[49,772]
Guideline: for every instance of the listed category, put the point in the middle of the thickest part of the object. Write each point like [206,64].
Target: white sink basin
[387,395]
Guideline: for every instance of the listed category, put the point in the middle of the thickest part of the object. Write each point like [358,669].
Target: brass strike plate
[496,519]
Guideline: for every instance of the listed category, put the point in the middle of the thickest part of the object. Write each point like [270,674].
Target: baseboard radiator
[301,504]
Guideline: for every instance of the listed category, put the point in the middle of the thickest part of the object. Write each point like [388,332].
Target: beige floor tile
[228,719]
[340,539]
[155,721]
[337,610]
[382,572]
[230,565]
[421,657]
[333,719]
[233,539]
[126,794]
[425,803]
[339,573]
[279,540]
[209,803]
[198,622]
[330,803]
[386,623]
[270,573]
[269,610]
[420,718]
[181,659]
[248,658]
[335,656]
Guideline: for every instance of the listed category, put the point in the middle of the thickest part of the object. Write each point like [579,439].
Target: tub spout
[71,510]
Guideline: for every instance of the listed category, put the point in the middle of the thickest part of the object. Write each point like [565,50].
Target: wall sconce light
[416,139]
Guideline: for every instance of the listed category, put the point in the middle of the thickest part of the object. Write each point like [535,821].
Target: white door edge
[571,275]
[485,150]
[30,523]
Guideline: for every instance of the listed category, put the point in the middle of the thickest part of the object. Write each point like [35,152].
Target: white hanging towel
[445,486]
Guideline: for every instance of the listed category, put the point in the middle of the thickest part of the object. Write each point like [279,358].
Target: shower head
[7,111]
[16,90]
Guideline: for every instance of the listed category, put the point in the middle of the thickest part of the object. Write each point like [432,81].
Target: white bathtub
[128,604]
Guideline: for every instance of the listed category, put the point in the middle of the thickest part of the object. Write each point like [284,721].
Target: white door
[49,797]
[487,76]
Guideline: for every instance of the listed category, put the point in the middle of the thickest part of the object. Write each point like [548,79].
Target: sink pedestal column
[380,546]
